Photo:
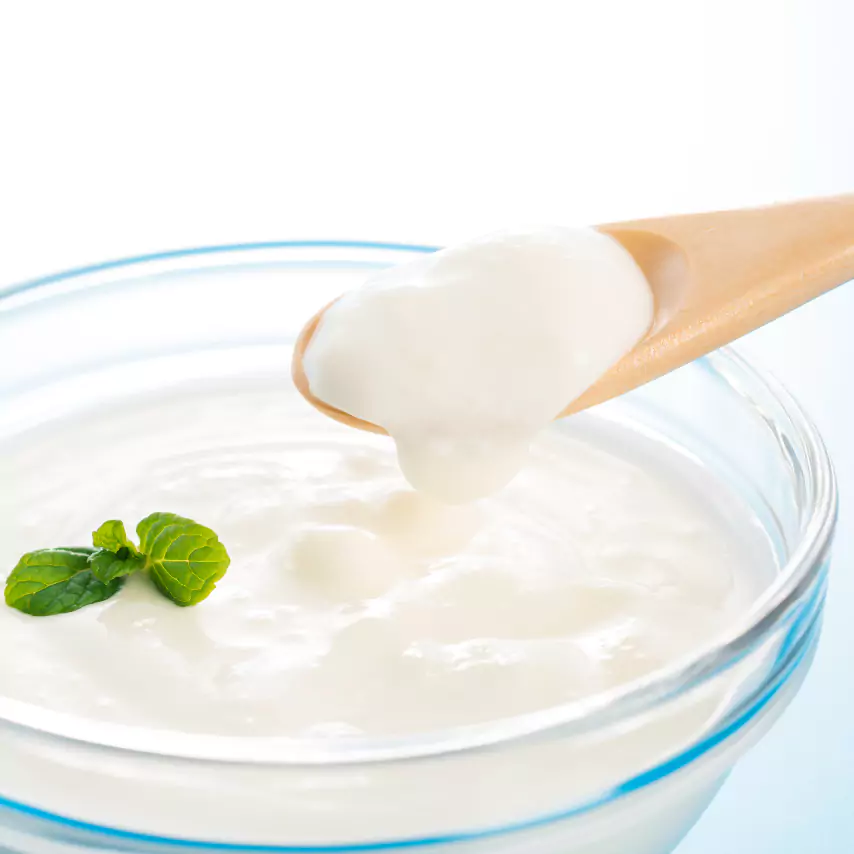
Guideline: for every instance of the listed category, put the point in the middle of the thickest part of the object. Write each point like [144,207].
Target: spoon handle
[718,276]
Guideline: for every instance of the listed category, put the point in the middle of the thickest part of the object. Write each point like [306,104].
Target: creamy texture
[465,354]
[353,604]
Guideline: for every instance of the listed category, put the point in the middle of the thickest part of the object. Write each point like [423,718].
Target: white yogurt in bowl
[569,666]
[357,605]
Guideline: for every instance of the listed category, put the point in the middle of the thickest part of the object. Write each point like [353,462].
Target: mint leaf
[56,581]
[106,565]
[185,559]
[112,537]
[117,555]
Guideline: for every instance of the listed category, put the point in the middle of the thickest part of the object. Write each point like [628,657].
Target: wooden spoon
[714,276]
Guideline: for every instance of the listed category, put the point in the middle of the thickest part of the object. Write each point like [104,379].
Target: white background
[128,127]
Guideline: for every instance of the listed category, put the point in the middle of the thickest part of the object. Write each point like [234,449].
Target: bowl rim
[591,713]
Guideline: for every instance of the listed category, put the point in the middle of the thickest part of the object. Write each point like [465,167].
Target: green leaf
[106,565]
[112,537]
[185,559]
[116,555]
[56,581]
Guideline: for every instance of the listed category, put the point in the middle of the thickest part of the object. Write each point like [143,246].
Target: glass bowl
[541,783]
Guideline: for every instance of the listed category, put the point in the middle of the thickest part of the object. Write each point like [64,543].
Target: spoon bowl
[714,277]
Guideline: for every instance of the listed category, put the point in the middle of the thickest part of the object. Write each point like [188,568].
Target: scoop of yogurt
[465,354]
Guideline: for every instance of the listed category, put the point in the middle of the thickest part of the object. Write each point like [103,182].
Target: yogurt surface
[353,604]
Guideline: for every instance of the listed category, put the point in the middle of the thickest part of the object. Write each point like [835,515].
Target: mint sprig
[183,559]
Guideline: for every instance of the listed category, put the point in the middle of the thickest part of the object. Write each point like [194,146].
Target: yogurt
[356,607]
[464,355]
